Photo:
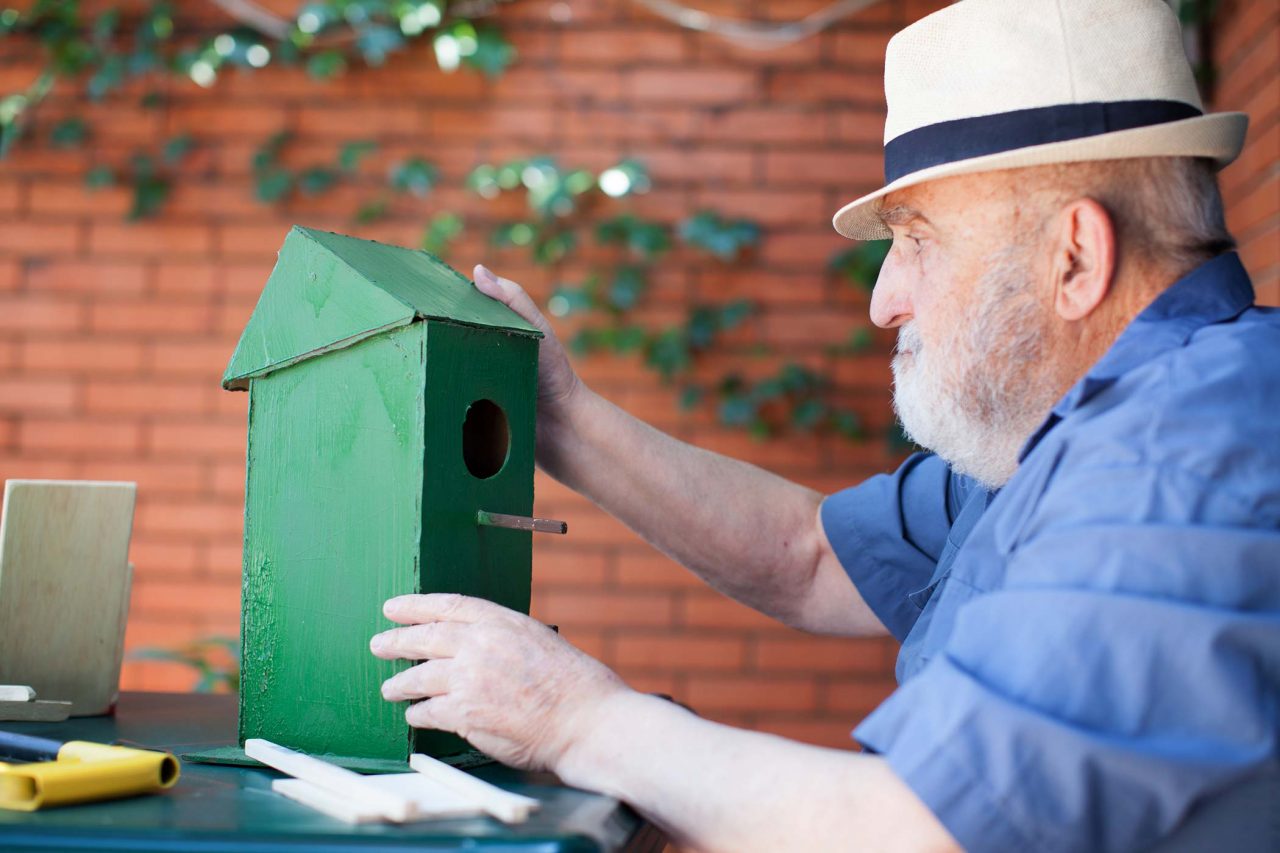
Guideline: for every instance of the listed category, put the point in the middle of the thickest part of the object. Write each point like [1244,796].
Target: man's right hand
[557,381]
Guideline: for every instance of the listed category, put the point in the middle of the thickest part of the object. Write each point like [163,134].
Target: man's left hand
[507,683]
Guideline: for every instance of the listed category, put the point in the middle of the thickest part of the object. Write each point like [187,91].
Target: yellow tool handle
[85,772]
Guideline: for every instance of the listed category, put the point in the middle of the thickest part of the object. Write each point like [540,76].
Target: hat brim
[1218,136]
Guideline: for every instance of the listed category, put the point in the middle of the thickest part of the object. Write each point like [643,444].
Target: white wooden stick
[336,780]
[504,805]
[16,693]
[321,800]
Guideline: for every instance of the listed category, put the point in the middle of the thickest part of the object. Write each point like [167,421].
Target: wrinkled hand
[557,381]
[505,682]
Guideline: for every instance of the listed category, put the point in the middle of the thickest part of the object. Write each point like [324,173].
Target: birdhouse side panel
[332,530]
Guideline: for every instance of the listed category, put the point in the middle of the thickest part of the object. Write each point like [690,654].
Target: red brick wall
[1246,54]
[113,336]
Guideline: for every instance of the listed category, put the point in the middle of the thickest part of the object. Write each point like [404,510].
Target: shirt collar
[1217,290]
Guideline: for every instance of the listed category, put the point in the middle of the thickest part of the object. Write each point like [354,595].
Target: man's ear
[1083,260]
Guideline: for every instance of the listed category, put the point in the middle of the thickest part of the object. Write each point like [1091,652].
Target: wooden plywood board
[64,588]
[332,530]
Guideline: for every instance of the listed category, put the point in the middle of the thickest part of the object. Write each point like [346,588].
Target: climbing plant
[110,54]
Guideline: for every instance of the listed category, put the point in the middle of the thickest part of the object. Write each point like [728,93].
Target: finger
[429,640]
[420,682]
[437,607]
[510,294]
[439,713]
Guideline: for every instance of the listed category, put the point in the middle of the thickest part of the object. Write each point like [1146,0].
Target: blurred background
[660,176]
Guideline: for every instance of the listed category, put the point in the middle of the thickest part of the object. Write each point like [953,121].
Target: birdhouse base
[235,756]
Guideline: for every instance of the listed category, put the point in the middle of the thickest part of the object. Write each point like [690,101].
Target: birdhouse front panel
[481,393]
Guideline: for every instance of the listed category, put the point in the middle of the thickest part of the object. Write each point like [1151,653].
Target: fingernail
[483,271]
[386,688]
[377,642]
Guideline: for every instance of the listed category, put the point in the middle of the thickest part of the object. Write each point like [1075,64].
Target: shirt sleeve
[889,532]
[1128,668]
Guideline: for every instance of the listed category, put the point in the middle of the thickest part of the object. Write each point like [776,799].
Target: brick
[862,48]
[81,355]
[24,395]
[10,275]
[150,239]
[751,694]
[648,570]
[229,119]
[603,609]
[835,168]
[12,196]
[89,277]
[146,397]
[45,237]
[750,123]
[679,652]
[186,597]
[198,439]
[769,207]
[355,121]
[856,697]
[37,314]
[23,464]
[618,46]
[710,609]
[812,654]
[199,518]
[704,86]
[856,88]
[510,122]
[75,199]
[831,732]
[162,557]
[79,437]
[190,358]
[150,317]
[564,566]
[154,478]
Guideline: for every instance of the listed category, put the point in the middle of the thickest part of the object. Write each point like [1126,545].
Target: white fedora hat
[999,84]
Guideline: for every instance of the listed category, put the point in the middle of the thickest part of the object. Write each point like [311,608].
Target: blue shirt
[1094,649]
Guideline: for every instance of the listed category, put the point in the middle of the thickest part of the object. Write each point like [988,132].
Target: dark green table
[216,808]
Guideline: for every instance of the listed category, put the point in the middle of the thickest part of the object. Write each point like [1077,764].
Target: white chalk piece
[16,693]
[504,805]
[335,780]
[431,800]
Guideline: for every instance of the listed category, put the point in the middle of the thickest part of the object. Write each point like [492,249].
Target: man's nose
[890,300]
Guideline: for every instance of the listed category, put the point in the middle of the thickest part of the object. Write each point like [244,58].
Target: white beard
[975,397]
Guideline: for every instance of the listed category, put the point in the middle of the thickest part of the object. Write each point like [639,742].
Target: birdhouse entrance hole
[485,439]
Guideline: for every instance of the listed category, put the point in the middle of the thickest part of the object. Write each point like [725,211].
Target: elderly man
[1084,573]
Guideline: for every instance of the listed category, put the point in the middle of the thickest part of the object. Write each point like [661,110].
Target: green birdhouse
[391,416]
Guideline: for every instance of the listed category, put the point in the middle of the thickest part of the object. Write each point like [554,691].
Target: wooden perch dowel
[520,522]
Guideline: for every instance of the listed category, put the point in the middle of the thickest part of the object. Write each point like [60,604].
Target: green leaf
[316,180]
[643,238]
[414,175]
[860,265]
[669,353]
[723,238]
[443,229]
[566,301]
[554,248]
[108,77]
[149,194]
[807,414]
[326,64]
[847,424]
[177,148]
[269,153]
[372,211]
[375,42]
[69,133]
[272,184]
[737,410]
[492,54]
[352,153]
[691,397]
[99,177]
[627,287]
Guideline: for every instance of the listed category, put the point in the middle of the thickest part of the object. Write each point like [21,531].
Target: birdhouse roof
[329,291]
